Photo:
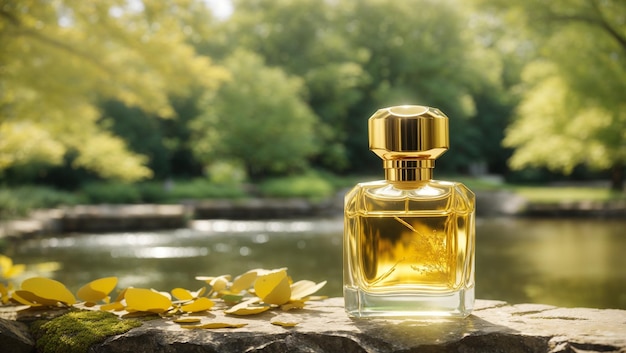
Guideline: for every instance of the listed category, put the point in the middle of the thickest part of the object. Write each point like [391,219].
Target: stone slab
[324,327]
[15,337]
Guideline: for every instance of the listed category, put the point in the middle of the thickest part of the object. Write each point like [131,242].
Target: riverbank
[111,218]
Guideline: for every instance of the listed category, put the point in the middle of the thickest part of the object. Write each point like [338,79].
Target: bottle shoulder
[426,189]
[383,196]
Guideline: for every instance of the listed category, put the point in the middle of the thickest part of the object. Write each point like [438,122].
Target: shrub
[310,185]
[18,201]
[203,189]
[111,192]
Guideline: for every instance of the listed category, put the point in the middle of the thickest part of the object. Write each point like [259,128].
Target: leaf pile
[250,293]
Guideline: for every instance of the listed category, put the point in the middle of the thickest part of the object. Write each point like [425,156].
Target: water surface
[563,262]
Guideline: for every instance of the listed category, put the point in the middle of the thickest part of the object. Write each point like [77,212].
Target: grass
[545,194]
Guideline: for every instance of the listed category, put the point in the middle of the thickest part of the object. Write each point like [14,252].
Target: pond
[564,262]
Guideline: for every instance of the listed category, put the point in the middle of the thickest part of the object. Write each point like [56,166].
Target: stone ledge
[324,327]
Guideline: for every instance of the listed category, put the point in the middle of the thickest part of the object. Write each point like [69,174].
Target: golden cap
[408,132]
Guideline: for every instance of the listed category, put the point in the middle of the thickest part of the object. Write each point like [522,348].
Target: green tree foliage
[60,59]
[258,119]
[304,38]
[419,52]
[357,56]
[573,106]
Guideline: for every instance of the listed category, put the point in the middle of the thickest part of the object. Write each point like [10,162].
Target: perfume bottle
[409,240]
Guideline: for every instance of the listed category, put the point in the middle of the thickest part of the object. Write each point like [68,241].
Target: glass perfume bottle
[409,240]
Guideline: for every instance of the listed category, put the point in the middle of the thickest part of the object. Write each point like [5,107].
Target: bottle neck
[408,170]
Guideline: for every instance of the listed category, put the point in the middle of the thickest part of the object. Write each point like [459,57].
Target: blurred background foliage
[165,90]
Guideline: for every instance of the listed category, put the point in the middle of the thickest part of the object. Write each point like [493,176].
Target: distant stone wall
[323,326]
[108,218]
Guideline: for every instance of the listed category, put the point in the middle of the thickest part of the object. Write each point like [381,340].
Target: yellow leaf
[208,279]
[97,290]
[187,320]
[185,294]
[49,290]
[219,283]
[200,304]
[247,308]
[302,289]
[199,292]
[284,324]
[243,282]
[112,306]
[182,294]
[273,287]
[140,299]
[293,304]
[4,293]
[18,298]
[121,295]
[165,294]
[214,325]
[5,263]
[317,297]
[15,271]
[49,266]
[9,269]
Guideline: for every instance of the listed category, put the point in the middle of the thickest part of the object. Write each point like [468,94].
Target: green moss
[75,331]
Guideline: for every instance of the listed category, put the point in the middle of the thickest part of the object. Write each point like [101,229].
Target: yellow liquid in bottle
[409,252]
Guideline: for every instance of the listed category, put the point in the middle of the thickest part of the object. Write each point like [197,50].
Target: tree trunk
[617,177]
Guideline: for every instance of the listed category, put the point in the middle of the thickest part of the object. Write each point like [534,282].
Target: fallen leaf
[8,269]
[140,299]
[292,304]
[200,304]
[112,306]
[48,291]
[248,310]
[182,294]
[305,288]
[247,307]
[97,290]
[185,294]
[243,282]
[220,283]
[17,296]
[283,323]
[273,287]
[187,320]
[4,293]
[215,325]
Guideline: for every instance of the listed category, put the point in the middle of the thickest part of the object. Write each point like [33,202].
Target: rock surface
[14,337]
[324,327]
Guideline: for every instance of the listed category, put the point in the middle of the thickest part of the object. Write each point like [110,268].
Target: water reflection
[560,262]
[160,252]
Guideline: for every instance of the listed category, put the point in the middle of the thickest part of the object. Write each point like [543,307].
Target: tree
[304,38]
[421,52]
[357,56]
[573,107]
[257,119]
[60,59]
